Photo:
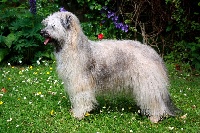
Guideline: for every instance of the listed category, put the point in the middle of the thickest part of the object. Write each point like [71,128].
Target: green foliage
[93,4]
[95,27]
[186,29]
[3,50]
[46,7]
[3,53]
[21,31]
[98,22]
[185,54]
[9,39]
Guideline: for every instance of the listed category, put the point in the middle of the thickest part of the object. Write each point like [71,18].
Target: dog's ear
[66,23]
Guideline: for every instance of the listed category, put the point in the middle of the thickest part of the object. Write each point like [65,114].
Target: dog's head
[59,28]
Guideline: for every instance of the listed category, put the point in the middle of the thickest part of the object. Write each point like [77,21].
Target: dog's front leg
[82,97]
[82,103]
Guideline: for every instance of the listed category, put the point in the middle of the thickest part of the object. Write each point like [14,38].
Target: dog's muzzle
[46,36]
[44,33]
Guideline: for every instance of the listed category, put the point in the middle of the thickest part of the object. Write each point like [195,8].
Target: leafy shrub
[185,28]
[163,24]
[20,39]
[103,18]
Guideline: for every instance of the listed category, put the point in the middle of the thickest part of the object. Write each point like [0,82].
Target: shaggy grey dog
[88,67]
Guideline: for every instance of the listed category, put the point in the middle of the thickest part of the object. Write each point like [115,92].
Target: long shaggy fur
[88,67]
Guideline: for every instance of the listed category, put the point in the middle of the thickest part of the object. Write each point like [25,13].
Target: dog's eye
[53,26]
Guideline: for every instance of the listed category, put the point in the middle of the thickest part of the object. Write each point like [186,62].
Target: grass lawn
[32,99]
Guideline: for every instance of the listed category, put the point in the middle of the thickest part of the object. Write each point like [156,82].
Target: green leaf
[9,39]
[97,6]
[169,28]
[197,65]
[2,38]
[3,53]
[4,1]
[91,7]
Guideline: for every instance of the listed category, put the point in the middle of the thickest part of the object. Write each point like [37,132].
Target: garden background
[32,97]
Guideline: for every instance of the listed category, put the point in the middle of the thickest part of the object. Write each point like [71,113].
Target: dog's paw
[154,119]
[77,114]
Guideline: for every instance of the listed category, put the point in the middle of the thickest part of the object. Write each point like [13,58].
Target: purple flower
[32,6]
[103,21]
[110,14]
[118,25]
[62,9]
[115,18]
[124,28]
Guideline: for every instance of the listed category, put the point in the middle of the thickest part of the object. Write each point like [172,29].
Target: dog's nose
[42,32]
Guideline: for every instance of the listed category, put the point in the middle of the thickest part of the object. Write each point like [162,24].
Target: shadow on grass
[107,105]
[117,104]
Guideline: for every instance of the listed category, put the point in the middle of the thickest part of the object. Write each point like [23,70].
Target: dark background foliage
[171,27]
